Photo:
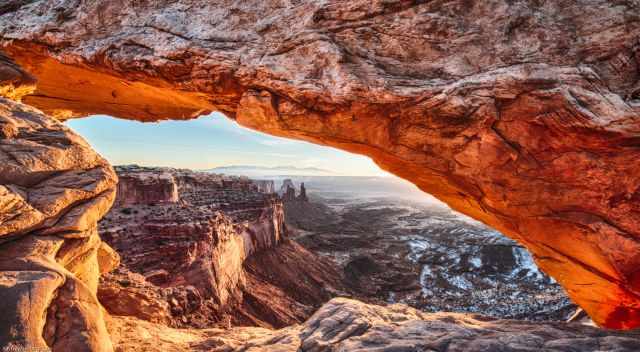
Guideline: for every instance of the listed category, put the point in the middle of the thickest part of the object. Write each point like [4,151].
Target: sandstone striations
[53,190]
[146,188]
[522,114]
[14,81]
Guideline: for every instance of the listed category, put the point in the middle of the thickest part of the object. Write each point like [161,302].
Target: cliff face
[522,114]
[203,255]
[193,246]
[147,189]
[206,255]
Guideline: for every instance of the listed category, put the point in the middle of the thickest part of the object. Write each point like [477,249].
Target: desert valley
[198,251]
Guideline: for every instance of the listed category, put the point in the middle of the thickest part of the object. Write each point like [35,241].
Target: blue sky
[208,142]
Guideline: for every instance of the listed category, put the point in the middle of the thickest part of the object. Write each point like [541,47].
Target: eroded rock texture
[146,188]
[344,325]
[201,250]
[522,114]
[53,190]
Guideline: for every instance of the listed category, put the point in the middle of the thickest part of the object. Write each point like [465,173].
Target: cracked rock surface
[348,325]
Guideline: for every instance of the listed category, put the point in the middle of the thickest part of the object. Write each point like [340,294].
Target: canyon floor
[396,245]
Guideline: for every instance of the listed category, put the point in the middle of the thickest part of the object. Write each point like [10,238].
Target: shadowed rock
[14,81]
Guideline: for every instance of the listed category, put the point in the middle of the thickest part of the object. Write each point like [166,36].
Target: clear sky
[209,142]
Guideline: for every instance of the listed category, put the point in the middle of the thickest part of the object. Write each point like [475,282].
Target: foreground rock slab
[347,325]
[521,114]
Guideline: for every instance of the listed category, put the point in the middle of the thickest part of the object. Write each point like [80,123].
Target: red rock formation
[286,285]
[191,244]
[53,190]
[151,188]
[215,258]
[201,252]
[522,114]
[124,293]
[15,81]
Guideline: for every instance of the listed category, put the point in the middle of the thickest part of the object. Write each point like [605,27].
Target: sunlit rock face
[53,190]
[150,188]
[16,82]
[522,114]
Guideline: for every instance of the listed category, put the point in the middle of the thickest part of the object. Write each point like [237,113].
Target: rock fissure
[50,319]
[51,226]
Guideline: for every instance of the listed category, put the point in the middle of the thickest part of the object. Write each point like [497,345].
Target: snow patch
[476,262]
[524,261]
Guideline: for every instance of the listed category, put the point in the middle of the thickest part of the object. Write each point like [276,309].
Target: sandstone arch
[522,114]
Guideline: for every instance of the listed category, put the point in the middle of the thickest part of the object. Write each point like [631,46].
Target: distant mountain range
[258,171]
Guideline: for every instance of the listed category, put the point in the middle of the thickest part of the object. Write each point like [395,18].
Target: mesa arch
[521,114]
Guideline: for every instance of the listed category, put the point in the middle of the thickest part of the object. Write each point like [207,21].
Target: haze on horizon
[211,141]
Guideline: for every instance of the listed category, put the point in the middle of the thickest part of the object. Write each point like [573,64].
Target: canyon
[200,250]
[521,114]
[396,247]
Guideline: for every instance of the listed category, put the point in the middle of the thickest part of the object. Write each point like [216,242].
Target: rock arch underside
[523,114]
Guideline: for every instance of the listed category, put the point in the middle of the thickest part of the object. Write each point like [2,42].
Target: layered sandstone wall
[266,230]
[179,267]
[53,190]
[184,262]
[160,188]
